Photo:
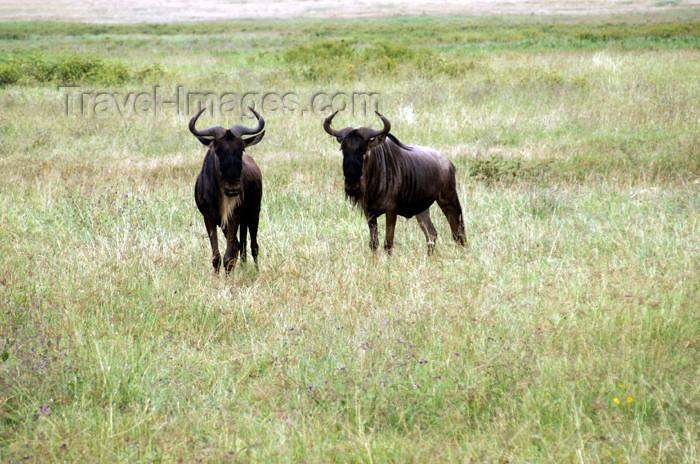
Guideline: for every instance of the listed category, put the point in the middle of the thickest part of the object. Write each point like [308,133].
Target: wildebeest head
[228,145]
[356,145]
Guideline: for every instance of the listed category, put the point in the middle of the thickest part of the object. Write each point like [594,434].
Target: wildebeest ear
[376,140]
[205,141]
[339,139]
[250,141]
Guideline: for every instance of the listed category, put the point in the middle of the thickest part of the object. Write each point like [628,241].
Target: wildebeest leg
[428,229]
[373,232]
[232,247]
[390,225]
[253,227]
[242,237]
[214,241]
[449,204]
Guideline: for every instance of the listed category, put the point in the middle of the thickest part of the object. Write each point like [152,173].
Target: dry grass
[578,170]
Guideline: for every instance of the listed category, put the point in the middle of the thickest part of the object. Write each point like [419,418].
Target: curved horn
[385,130]
[216,131]
[327,125]
[239,130]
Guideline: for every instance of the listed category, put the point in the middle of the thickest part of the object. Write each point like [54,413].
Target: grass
[578,163]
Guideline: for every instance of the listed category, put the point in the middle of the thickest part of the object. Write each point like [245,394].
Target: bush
[611,32]
[335,60]
[71,70]
[9,74]
[319,51]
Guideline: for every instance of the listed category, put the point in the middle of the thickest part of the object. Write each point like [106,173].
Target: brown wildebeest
[384,176]
[228,190]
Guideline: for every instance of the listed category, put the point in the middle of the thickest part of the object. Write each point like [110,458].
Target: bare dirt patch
[167,11]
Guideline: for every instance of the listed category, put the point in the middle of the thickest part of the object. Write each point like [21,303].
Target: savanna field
[567,331]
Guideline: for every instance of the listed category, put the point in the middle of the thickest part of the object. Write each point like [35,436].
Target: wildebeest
[228,190]
[384,176]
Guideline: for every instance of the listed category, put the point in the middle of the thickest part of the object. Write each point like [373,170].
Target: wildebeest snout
[352,188]
[232,190]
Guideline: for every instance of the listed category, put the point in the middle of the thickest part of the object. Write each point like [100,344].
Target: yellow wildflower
[616,400]
[629,399]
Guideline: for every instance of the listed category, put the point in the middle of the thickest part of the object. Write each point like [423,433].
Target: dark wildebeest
[229,189]
[383,175]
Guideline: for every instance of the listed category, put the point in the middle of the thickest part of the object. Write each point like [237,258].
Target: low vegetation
[566,331]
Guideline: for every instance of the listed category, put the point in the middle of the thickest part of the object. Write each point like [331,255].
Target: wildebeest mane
[389,150]
[398,142]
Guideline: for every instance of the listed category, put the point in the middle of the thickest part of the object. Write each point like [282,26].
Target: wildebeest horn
[216,131]
[327,125]
[239,130]
[385,130]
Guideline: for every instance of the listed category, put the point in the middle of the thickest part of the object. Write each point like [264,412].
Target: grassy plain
[568,331]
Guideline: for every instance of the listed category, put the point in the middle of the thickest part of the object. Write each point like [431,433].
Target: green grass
[578,165]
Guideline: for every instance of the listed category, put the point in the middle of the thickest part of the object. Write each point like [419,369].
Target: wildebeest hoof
[229,263]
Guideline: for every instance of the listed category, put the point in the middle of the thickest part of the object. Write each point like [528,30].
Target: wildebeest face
[356,145]
[229,151]
[228,145]
[354,149]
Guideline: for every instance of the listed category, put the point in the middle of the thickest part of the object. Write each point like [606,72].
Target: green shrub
[333,60]
[319,51]
[9,74]
[612,32]
[71,70]
[321,60]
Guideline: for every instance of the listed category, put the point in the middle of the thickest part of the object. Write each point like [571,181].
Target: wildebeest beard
[352,170]
[353,191]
